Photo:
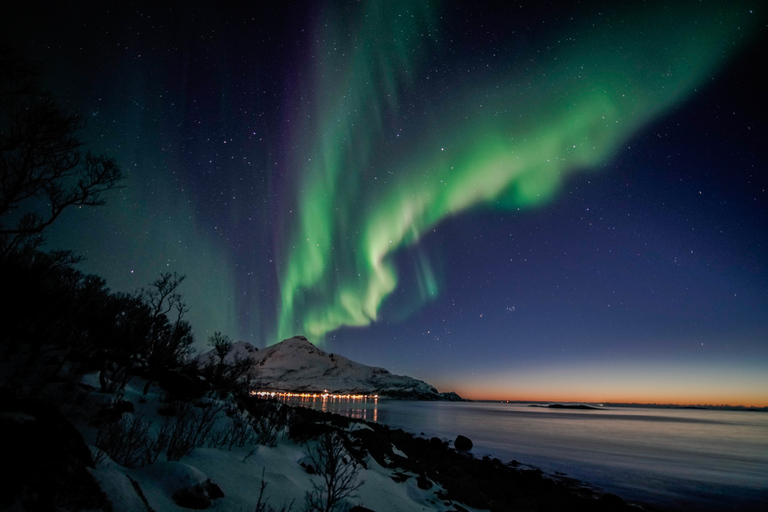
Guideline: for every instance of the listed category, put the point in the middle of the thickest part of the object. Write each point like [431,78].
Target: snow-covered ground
[238,473]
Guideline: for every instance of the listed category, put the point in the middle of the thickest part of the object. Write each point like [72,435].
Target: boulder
[198,497]
[462,443]
[423,482]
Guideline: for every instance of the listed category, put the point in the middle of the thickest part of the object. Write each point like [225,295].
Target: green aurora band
[509,141]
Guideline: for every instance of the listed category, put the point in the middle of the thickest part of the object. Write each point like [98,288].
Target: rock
[400,477]
[468,493]
[192,497]
[609,500]
[48,461]
[462,443]
[375,444]
[303,427]
[182,386]
[214,491]
[397,436]
[198,497]
[309,468]
[500,506]
[436,443]
[423,482]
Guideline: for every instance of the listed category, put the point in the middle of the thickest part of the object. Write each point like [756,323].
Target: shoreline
[483,483]
[641,484]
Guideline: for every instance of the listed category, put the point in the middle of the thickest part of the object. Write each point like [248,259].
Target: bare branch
[43,168]
[338,471]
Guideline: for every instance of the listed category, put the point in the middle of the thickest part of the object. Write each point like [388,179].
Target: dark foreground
[50,471]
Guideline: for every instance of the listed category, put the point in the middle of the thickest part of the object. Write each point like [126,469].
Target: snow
[398,452]
[114,481]
[296,364]
[239,350]
[239,474]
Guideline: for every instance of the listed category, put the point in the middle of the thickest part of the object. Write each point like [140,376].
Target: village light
[325,395]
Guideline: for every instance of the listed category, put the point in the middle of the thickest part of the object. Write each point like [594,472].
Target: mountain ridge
[296,365]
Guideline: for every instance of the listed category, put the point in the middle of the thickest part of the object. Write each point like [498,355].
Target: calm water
[686,459]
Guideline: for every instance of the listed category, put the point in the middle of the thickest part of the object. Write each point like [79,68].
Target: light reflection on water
[356,408]
[683,458]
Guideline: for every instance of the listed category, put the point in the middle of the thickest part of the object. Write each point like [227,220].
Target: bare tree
[338,471]
[169,341]
[221,344]
[222,373]
[43,167]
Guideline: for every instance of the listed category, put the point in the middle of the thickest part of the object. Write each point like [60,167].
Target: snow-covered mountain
[239,350]
[296,364]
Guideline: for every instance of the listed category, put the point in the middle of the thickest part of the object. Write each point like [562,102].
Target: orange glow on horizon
[610,398]
[621,384]
[619,395]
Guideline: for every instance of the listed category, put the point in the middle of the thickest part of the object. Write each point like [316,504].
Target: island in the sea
[568,406]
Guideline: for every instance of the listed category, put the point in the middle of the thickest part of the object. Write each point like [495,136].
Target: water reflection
[359,407]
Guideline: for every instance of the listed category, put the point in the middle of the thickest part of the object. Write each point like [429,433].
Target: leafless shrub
[155,446]
[261,503]
[188,428]
[125,440]
[113,376]
[267,429]
[247,428]
[338,471]
[239,433]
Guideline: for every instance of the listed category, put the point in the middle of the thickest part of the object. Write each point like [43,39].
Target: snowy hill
[296,364]
[240,350]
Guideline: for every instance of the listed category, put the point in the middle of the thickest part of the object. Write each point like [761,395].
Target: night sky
[512,200]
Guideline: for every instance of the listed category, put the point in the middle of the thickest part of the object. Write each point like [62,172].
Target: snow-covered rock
[297,365]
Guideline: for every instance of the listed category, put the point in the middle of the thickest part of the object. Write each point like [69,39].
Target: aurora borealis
[501,200]
[511,143]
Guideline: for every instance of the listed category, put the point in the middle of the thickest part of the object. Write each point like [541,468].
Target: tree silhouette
[169,341]
[43,167]
[222,371]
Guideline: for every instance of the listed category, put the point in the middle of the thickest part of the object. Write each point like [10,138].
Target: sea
[670,459]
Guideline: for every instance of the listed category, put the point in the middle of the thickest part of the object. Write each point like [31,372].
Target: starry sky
[511,200]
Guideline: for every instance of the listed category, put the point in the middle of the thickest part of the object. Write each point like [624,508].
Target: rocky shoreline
[55,465]
[459,478]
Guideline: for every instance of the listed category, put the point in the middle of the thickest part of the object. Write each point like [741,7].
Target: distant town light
[324,396]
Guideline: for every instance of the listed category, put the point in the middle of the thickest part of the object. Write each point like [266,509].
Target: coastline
[412,471]
[664,475]
[483,483]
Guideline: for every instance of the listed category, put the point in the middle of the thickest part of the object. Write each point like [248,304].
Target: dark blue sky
[639,276]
